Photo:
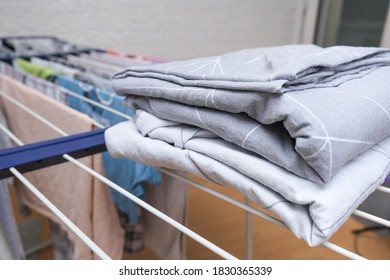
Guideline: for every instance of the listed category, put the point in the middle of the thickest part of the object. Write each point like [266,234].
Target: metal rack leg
[249,230]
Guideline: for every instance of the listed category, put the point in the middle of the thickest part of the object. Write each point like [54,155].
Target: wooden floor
[224,225]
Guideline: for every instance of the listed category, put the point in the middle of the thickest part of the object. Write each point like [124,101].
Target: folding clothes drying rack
[17,160]
[10,57]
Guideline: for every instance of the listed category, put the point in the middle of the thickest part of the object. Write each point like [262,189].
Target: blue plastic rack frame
[46,153]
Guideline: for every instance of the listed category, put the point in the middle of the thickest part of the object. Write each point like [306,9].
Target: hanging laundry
[63,247]
[34,45]
[94,80]
[55,67]
[8,224]
[77,65]
[132,175]
[93,64]
[134,232]
[96,68]
[47,88]
[83,198]
[126,173]
[35,70]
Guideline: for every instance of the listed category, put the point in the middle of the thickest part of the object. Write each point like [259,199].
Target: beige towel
[85,200]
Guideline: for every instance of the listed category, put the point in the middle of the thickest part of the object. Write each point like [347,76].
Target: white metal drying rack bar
[130,196]
[96,249]
[248,220]
[105,107]
[248,209]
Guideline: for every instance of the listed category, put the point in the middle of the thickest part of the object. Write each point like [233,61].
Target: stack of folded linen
[300,129]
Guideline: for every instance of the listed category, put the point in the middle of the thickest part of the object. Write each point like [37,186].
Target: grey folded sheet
[313,212]
[311,128]
[308,110]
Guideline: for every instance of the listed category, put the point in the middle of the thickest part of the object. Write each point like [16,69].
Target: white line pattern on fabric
[323,128]
[319,150]
[373,101]
[210,94]
[207,98]
[254,59]
[212,99]
[320,54]
[217,63]
[352,141]
[202,66]
[197,113]
[249,133]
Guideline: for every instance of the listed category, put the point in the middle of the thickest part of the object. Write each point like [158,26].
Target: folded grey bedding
[308,126]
